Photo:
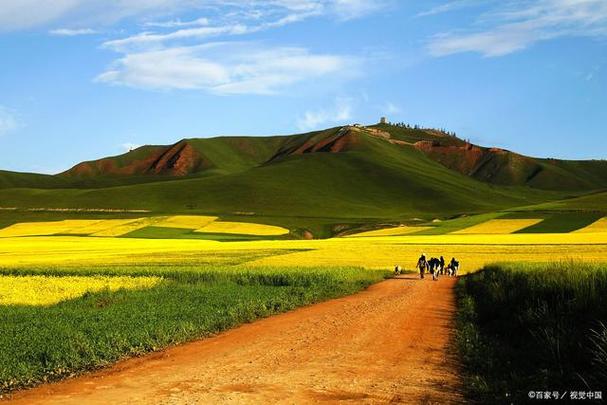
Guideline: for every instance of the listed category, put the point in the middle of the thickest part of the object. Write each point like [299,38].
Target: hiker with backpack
[434,266]
[454,265]
[422,263]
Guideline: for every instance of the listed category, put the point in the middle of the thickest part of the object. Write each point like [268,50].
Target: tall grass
[525,327]
[40,344]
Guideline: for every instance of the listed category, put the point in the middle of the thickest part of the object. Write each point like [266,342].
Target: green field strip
[563,223]
[157,232]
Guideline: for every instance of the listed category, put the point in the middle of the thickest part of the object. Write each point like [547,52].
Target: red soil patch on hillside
[465,159]
[487,164]
[179,159]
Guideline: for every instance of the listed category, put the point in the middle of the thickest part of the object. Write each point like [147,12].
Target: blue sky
[82,79]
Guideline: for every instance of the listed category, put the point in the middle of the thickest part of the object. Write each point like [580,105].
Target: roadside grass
[101,327]
[533,327]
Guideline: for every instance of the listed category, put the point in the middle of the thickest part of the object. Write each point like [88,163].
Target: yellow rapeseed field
[597,226]
[45,290]
[395,231]
[186,221]
[473,251]
[130,226]
[121,227]
[499,226]
[243,228]
[47,228]
[101,226]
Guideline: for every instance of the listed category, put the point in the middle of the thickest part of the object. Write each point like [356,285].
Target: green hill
[318,180]
[503,167]
[32,180]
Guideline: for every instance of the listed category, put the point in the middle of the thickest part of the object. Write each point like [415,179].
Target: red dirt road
[390,343]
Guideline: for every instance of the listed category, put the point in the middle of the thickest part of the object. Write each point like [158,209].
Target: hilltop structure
[383,120]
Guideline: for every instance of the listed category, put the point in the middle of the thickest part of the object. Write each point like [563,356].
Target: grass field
[93,300]
[597,226]
[98,326]
[499,226]
[529,327]
[563,222]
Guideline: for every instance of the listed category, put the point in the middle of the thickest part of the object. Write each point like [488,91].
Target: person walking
[422,264]
[454,264]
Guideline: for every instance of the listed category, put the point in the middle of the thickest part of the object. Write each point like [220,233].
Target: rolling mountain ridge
[351,173]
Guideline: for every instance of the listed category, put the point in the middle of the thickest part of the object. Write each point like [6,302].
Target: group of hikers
[435,266]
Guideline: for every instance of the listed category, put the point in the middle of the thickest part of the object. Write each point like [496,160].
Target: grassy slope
[596,202]
[377,180]
[370,182]
[32,180]
[512,169]
[224,155]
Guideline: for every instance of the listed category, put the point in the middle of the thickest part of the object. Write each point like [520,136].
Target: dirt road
[390,343]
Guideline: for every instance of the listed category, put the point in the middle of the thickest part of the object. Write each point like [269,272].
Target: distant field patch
[186,221]
[158,232]
[563,222]
[243,228]
[69,226]
[99,226]
[394,231]
[499,226]
[130,226]
[45,290]
[451,225]
[597,226]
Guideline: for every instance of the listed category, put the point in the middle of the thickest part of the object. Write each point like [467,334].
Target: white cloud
[391,108]
[519,24]
[340,112]
[267,15]
[25,14]
[223,68]
[451,6]
[348,9]
[69,32]
[8,121]
[146,39]
[178,23]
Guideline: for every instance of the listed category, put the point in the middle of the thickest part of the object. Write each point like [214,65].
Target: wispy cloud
[223,68]
[147,39]
[451,6]
[8,121]
[390,108]
[69,32]
[24,14]
[177,23]
[176,54]
[246,18]
[516,25]
[340,112]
